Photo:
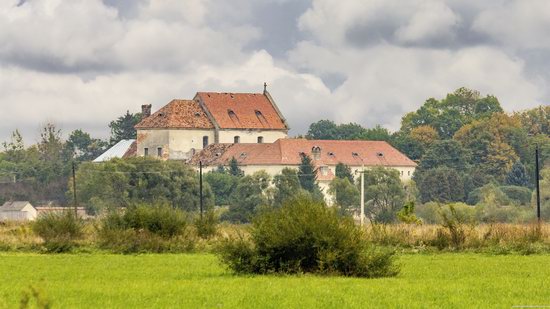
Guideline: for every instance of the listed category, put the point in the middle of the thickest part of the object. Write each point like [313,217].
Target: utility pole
[74,192]
[200,185]
[362,194]
[537,178]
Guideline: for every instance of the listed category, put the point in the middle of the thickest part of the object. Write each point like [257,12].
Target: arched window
[260,139]
[204,141]
[236,139]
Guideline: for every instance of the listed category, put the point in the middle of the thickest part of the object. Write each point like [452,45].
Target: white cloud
[517,24]
[81,63]
[432,19]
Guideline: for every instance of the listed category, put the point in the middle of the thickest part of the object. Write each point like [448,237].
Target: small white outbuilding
[17,211]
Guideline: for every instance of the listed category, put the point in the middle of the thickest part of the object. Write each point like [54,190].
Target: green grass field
[197,280]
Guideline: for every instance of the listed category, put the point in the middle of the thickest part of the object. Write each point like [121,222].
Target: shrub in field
[207,226]
[145,228]
[521,195]
[59,230]
[453,231]
[304,236]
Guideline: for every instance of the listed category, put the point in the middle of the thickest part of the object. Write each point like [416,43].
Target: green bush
[59,230]
[143,228]
[304,236]
[520,194]
[207,226]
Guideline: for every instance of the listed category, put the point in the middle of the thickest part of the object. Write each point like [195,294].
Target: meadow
[99,280]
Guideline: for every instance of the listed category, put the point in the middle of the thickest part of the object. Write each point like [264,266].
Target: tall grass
[497,238]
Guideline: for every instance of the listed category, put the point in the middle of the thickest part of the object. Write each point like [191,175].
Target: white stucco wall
[151,139]
[182,141]
[405,172]
[176,144]
[250,136]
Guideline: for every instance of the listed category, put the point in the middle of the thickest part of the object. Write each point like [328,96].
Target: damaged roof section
[178,114]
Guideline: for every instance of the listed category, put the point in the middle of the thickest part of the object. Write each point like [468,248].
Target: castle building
[182,127]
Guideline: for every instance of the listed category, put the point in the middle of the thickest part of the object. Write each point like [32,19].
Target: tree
[223,185]
[14,150]
[408,145]
[450,114]
[441,184]
[307,174]
[286,185]
[84,147]
[350,131]
[384,194]
[123,127]
[121,183]
[378,133]
[249,195]
[425,135]
[345,195]
[234,169]
[488,141]
[343,171]
[447,153]
[323,129]
[517,175]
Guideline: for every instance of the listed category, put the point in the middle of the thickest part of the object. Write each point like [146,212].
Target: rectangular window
[146,151]
[260,139]
[159,152]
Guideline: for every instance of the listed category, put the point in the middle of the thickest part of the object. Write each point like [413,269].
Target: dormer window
[379,154]
[261,117]
[232,115]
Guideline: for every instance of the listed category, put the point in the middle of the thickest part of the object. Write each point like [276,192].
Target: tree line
[467,148]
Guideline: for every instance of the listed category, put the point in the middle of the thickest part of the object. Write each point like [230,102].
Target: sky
[82,63]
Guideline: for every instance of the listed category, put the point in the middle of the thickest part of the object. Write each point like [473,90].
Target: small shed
[17,211]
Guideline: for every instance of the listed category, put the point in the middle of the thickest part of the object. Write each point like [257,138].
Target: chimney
[146,110]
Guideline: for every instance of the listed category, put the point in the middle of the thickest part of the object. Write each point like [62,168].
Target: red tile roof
[288,151]
[185,114]
[242,110]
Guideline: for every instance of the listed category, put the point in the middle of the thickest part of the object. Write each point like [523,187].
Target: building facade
[17,211]
[183,127]
[325,155]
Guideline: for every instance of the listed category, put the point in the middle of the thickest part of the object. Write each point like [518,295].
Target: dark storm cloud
[384,26]
[278,22]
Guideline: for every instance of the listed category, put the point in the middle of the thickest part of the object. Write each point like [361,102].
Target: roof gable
[15,206]
[178,114]
[242,110]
